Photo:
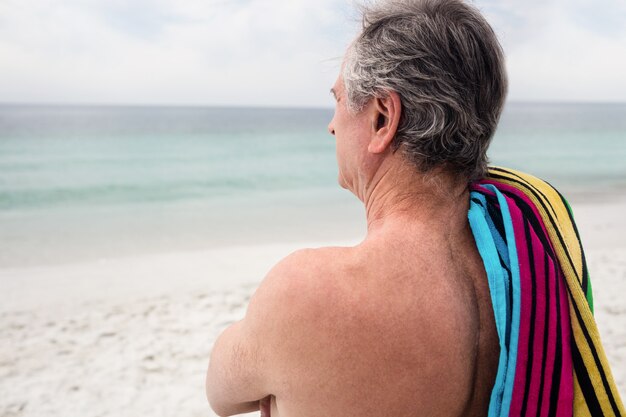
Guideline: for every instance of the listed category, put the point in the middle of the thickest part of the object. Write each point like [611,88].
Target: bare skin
[399,325]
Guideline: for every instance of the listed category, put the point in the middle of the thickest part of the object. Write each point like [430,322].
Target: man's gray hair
[446,64]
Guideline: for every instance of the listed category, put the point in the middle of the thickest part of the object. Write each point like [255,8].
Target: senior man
[408,322]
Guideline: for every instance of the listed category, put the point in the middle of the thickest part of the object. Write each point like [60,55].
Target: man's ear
[386,117]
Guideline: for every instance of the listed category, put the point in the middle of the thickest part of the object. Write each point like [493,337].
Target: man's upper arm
[243,365]
[234,379]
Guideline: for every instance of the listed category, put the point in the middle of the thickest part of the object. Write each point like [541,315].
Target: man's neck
[398,196]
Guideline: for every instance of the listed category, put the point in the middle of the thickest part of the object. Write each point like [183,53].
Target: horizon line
[266,107]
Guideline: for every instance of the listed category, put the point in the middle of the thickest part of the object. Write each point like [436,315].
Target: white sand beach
[131,337]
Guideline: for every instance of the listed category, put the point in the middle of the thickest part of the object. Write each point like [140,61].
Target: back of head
[445,62]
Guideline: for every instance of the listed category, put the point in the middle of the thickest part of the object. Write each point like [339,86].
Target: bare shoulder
[301,281]
[345,325]
[291,311]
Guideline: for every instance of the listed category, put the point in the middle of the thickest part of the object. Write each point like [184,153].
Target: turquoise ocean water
[80,183]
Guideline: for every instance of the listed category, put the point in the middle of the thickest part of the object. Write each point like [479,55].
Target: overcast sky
[275,52]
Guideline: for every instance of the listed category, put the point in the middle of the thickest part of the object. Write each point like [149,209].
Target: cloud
[562,50]
[271,52]
[514,21]
[570,63]
[605,18]
[193,52]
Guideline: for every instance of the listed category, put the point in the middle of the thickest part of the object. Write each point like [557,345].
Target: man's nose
[331,129]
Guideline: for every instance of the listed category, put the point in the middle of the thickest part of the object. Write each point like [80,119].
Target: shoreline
[602,226]
[101,234]
[30,238]
[124,279]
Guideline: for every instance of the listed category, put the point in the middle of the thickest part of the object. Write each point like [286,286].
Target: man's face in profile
[351,132]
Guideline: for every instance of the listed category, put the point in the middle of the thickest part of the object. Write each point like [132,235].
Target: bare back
[400,325]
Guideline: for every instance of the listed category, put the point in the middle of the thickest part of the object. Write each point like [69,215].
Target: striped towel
[551,360]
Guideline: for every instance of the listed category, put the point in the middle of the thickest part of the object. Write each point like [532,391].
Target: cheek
[342,155]
[339,153]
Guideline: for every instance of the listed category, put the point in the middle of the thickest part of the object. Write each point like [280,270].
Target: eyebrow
[332,91]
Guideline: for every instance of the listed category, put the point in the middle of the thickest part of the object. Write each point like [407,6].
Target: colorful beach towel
[551,360]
